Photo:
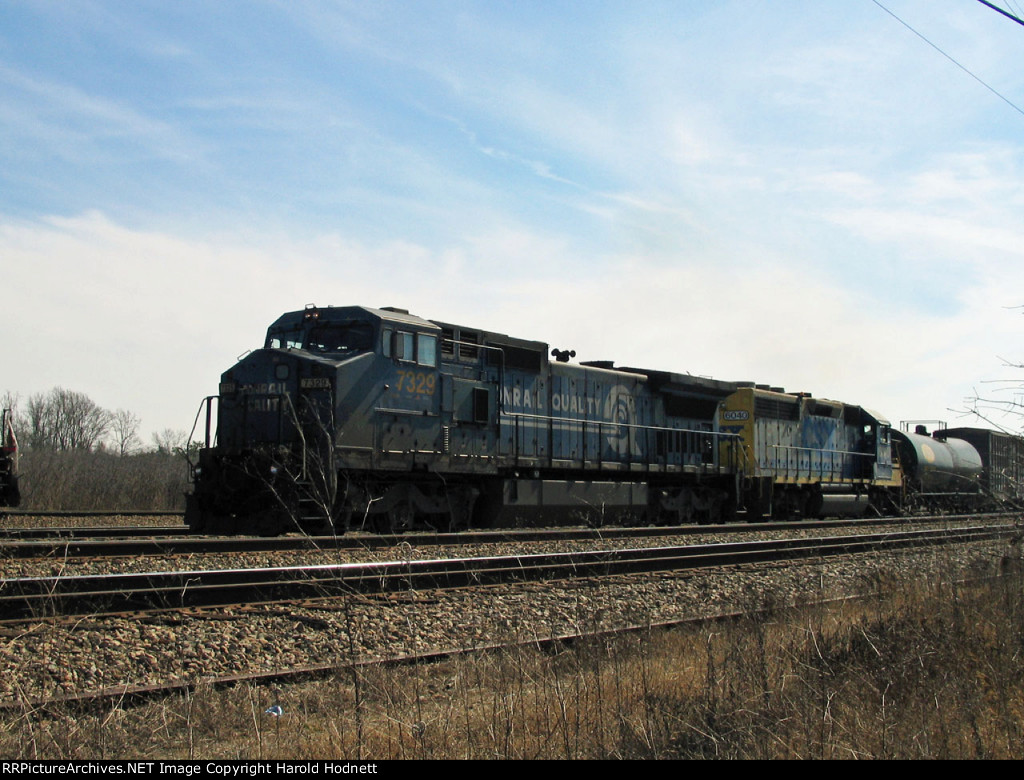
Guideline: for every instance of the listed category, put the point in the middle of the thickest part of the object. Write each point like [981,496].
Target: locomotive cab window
[869,438]
[339,337]
[284,339]
[426,349]
[398,345]
[342,337]
[412,347]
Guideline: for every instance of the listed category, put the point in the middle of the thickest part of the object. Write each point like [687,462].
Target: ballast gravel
[45,660]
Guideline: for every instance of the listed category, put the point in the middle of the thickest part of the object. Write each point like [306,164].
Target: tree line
[77,455]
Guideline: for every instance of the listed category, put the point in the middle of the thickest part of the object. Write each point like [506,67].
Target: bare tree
[124,429]
[170,442]
[1002,403]
[65,420]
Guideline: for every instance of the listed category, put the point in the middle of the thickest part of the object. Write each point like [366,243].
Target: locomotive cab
[797,450]
[332,390]
[877,443]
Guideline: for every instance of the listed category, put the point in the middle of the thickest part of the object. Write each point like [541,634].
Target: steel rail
[88,533]
[131,694]
[7,512]
[66,543]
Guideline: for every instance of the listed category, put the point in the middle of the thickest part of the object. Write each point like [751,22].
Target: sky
[825,197]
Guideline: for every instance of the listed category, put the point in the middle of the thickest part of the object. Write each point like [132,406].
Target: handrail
[646,457]
[827,465]
[208,401]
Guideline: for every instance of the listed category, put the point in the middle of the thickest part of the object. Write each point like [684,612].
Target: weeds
[87,480]
[929,670]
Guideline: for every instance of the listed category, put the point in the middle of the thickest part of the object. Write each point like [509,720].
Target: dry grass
[932,670]
[81,479]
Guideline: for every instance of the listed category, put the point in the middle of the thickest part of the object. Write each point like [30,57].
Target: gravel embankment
[92,654]
[68,567]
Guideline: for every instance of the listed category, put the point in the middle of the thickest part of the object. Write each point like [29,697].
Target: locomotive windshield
[334,338]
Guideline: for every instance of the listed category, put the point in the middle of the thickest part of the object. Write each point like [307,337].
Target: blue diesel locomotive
[353,417]
[375,418]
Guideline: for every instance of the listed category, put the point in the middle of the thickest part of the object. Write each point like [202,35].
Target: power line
[1006,100]
[999,10]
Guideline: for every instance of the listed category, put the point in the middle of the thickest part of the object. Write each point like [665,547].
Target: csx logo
[736,415]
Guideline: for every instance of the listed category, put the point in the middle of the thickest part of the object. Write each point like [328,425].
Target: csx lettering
[416,383]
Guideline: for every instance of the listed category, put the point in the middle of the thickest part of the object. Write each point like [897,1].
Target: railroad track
[33,599]
[135,541]
[8,512]
[90,532]
[131,694]
[134,693]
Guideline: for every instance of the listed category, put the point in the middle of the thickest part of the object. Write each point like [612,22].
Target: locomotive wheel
[758,508]
[759,503]
[381,524]
[461,501]
[266,523]
[395,521]
[457,521]
[715,506]
[785,504]
[728,512]
[814,502]
[340,520]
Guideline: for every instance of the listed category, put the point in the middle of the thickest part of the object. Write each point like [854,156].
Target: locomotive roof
[496,339]
[778,392]
[343,313]
[878,417]
[689,383]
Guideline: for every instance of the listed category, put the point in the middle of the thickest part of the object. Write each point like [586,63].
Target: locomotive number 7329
[416,382]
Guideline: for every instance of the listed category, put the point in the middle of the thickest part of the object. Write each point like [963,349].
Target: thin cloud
[770,192]
[87,121]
